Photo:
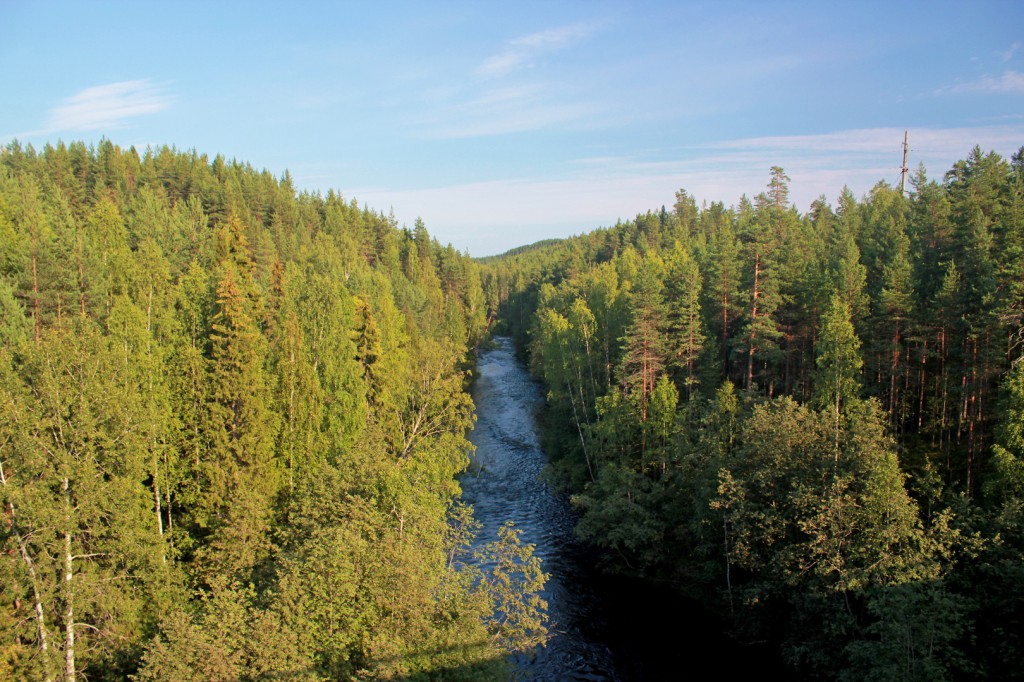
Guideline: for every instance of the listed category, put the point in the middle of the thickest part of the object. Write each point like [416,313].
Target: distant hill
[519,250]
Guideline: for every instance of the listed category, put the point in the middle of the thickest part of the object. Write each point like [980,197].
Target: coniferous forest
[814,423]
[232,416]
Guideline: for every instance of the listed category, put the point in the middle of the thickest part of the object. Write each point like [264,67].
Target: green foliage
[15,328]
[837,383]
[513,584]
[80,546]
[230,421]
[644,347]
[848,505]
[685,326]
[913,637]
[232,416]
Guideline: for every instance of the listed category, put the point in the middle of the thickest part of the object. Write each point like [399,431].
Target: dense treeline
[813,421]
[231,417]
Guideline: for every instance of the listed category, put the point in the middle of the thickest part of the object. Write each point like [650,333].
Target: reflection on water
[503,483]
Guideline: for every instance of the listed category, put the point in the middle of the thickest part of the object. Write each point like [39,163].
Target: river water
[504,483]
[602,627]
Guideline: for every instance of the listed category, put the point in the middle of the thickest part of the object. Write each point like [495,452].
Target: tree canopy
[811,420]
[231,417]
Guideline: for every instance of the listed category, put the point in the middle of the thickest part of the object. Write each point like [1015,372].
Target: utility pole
[903,168]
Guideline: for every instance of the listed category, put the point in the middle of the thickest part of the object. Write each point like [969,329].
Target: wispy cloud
[1007,55]
[507,110]
[489,217]
[506,94]
[109,106]
[503,100]
[521,52]
[1010,83]
[933,141]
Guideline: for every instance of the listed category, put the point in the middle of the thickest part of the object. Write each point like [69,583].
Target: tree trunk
[728,566]
[35,291]
[753,322]
[69,595]
[156,503]
[725,330]
[37,603]
[583,442]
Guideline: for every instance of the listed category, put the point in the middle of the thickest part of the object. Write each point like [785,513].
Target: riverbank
[603,627]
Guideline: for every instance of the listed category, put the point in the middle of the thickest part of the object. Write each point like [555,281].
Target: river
[504,483]
[602,627]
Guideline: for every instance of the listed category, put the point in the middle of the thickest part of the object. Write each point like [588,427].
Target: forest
[231,417]
[813,422]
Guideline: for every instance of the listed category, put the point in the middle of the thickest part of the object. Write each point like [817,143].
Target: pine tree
[241,473]
[83,553]
[644,345]
[722,280]
[683,285]
[837,385]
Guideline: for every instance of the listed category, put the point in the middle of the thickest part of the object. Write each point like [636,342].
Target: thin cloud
[484,121]
[944,141]
[521,211]
[105,107]
[521,52]
[553,38]
[498,102]
[1005,117]
[598,190]
[1010,83]
[504,110]
[1008,54]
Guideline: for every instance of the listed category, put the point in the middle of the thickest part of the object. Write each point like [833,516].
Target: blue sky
[504,123]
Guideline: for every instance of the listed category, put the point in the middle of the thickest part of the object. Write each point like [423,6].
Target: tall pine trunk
[69,593]
[753,323]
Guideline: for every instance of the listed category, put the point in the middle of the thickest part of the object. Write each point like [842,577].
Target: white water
[503,483]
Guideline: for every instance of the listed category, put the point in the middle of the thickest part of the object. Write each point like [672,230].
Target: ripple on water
[503,483]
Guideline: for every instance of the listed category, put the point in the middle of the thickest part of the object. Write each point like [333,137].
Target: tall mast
[903,168]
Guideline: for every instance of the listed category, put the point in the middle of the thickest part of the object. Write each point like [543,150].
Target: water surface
[603,627]
[504,483]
